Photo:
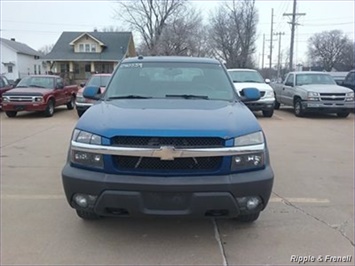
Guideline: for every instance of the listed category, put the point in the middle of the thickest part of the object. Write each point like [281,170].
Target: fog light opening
[252,203]
[81,200]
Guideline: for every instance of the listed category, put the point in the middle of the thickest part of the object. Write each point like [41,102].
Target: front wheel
[11,113]
[343,114]
[268,113]
[50,109]
[277,105]
[298,108]
[71,103]
[248,218]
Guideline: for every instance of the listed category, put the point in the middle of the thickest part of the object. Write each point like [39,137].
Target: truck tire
[49,109]
[248,218]
[297,106]
[71,103]
[11,113]
[86,215]
[268,113]
[343,114]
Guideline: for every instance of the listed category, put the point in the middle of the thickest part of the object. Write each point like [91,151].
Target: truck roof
[309,72]
[44,76]
[177,59]
[242,69]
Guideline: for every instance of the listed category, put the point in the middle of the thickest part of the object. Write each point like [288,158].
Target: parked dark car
[338,77]
[349,81]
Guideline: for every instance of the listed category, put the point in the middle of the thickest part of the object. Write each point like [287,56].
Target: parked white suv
[250,78]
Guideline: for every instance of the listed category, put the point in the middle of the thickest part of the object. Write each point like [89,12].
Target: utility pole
[279,55]
[293,24]
[271,36]
[263,55]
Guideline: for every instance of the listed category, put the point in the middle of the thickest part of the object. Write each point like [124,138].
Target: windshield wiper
[35,86]
[128,97]
[253,81]
[187,96]
[22,86]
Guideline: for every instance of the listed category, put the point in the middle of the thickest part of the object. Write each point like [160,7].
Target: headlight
[90,159]
[38,99]
[250,139]
[269,94]
[86,137]
[80,98]
[350,94]
[313,96]
[5,99]
[250,161]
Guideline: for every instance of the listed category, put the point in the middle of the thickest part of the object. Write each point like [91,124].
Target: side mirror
[250,94]
[82,84]
[92,92]
[59,86]
[267,81]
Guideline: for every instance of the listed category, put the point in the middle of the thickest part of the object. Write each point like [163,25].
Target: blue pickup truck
[168,137]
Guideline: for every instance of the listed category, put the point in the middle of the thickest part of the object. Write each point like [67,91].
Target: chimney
[13,39]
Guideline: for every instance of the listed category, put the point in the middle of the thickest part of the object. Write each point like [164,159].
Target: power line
[293,25]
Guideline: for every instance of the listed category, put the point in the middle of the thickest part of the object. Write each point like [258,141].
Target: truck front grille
[155,164]
[332,96]
[17,99]
[177,142]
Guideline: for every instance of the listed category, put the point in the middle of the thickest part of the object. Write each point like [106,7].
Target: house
[77,55]
[18,59]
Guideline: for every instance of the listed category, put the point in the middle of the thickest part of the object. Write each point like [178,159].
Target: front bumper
[23,106]
[328,107]
[168,196]
[261,105]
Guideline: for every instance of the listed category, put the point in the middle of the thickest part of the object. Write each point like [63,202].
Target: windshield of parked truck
[36,82]
[169,80]
[100,81]
[310,79]
[246,76]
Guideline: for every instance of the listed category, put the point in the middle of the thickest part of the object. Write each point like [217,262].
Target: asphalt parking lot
[310,215]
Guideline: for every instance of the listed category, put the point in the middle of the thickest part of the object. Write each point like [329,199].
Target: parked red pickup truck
[4,87]
[39,93]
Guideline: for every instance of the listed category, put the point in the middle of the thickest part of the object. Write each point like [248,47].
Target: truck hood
[326,88]
[169,117]
[28,91]
[260,86]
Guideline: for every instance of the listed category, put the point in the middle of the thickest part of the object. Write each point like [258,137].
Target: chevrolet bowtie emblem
[167,153]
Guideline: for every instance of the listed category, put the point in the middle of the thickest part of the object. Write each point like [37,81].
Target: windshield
[100,81]
[170,80]
[246,76]
[37,82]
[307,79]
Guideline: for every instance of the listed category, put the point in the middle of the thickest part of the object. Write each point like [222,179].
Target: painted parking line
[60,197]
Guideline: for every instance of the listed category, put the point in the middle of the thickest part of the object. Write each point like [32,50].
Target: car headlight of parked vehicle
[249,160]
[313,96]
[85,158]
[269,94]
[80,98]
[350,96]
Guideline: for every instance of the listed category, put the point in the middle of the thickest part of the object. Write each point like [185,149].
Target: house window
[64,68]
[87,48]
[35,69]
[87,68]
[9,69]
[81,47]
[93,48]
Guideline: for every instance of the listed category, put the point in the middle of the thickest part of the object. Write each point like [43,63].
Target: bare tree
[184,35]
[327,47]
[347,59]
[46,49]
[109,29]
[149,18]
[233,32]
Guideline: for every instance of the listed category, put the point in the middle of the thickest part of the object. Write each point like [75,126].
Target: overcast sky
[39,23]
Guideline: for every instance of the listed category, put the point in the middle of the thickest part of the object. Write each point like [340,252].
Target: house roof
[20,47]
[116,46]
